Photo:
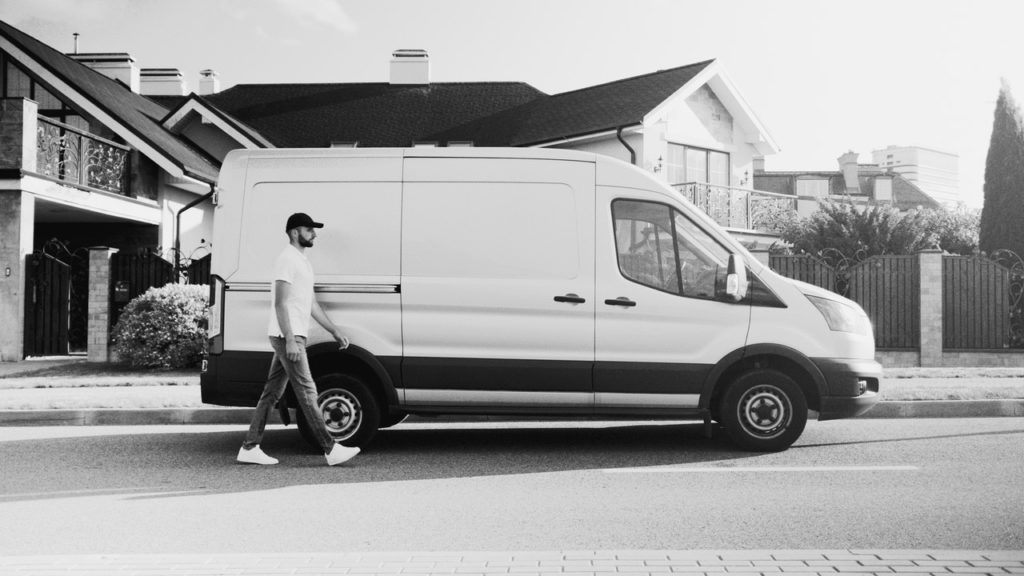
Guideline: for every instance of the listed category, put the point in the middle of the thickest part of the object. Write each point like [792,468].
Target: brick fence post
[930,264]
[99,303]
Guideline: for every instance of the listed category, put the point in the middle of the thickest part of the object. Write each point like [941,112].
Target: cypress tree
[1002,215]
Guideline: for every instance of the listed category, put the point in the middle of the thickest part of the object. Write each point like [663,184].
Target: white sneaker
[254,456]
[340,454]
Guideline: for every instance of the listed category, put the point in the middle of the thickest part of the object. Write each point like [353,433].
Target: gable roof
[135,118]
[194,104]
[578,113]
[372,114]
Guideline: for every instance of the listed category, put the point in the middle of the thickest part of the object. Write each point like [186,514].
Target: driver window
[660,248]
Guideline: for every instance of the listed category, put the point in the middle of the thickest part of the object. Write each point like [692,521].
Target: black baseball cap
[301,219]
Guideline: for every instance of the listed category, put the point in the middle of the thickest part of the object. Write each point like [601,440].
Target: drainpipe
[632,153]
[177,228]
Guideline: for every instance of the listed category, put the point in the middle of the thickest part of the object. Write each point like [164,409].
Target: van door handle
[621,301]
[571,299]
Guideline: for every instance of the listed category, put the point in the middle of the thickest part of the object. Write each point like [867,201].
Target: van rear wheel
[347,408]
[763,410]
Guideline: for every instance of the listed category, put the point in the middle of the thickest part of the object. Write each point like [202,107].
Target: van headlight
[841,317]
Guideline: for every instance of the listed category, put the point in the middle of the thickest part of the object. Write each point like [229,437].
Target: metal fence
[741,208]
[76,157]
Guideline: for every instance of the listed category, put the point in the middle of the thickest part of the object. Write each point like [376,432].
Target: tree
[1002,213]
[955,229]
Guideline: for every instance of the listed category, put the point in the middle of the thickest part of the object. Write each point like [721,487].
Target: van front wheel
[348,409]
[763,411]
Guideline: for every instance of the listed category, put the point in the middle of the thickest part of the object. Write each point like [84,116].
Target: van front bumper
[851,387]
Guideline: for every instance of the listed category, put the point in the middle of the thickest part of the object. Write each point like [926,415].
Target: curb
[158,416]
[947,409]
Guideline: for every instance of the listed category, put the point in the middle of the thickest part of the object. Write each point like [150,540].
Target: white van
[523,281]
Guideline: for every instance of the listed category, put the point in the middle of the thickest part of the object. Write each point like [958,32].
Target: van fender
[329,351]
[736,359]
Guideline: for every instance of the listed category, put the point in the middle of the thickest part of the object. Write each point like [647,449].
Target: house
[95,151]
[854,182]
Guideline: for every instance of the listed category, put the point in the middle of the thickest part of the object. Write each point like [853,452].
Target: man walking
[293,305]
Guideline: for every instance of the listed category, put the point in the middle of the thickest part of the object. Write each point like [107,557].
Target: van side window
[659,247]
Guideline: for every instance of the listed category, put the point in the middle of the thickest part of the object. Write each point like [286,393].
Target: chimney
[162,82]
[410,67]
[209,83]
[848,165]
[118,66]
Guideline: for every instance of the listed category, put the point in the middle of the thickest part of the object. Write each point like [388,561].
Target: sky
[824,77]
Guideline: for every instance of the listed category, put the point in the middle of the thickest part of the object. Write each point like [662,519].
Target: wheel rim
[341,412]
[765,411]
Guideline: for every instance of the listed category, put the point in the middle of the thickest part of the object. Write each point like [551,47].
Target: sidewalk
[69,391]
[575,563]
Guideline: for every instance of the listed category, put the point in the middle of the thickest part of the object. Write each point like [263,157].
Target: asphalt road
[894,484]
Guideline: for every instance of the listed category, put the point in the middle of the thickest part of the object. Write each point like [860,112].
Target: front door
[661,321]
[498,284]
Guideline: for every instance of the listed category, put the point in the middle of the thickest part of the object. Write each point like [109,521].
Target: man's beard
[305,243]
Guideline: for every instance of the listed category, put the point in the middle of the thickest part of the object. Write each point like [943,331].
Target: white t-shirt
[294,268]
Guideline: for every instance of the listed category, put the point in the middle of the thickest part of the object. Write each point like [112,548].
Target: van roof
[425,152]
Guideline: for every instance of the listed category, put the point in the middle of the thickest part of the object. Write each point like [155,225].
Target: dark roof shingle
[579,112]
[375,115]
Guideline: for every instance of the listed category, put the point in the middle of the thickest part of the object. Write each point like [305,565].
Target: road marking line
[704,469]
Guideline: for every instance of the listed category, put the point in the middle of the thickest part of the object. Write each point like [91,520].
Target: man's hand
[293,350]
[341,340]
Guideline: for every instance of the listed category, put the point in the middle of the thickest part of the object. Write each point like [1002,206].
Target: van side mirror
[736,280]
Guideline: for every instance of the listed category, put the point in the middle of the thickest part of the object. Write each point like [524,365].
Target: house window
[17,83]
[691,164]
[813,187]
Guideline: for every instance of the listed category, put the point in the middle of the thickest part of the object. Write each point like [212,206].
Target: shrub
[859,231]
[163,328]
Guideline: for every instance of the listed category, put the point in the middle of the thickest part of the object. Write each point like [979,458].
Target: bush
[163,328]
[860,232]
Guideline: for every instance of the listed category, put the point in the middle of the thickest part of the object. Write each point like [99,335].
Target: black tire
[763,411]
[389,420]
[348,408]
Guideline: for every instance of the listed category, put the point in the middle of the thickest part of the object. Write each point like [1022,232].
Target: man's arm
[321,318]
[281,292]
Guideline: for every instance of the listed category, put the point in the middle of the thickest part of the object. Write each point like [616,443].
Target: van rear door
[498,283]
[663,320]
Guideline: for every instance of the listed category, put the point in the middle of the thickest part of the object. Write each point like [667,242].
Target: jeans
[282,371]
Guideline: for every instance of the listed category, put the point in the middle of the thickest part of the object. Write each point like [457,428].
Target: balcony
[740,208]
[70,155]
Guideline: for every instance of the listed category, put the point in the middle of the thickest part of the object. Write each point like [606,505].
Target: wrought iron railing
[76,157]
[740,207]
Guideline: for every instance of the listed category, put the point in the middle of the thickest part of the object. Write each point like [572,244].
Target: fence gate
[47,305]
[56,300]
[888,288]
[977,306]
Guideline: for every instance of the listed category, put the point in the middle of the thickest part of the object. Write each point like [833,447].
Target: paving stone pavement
[564,563]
